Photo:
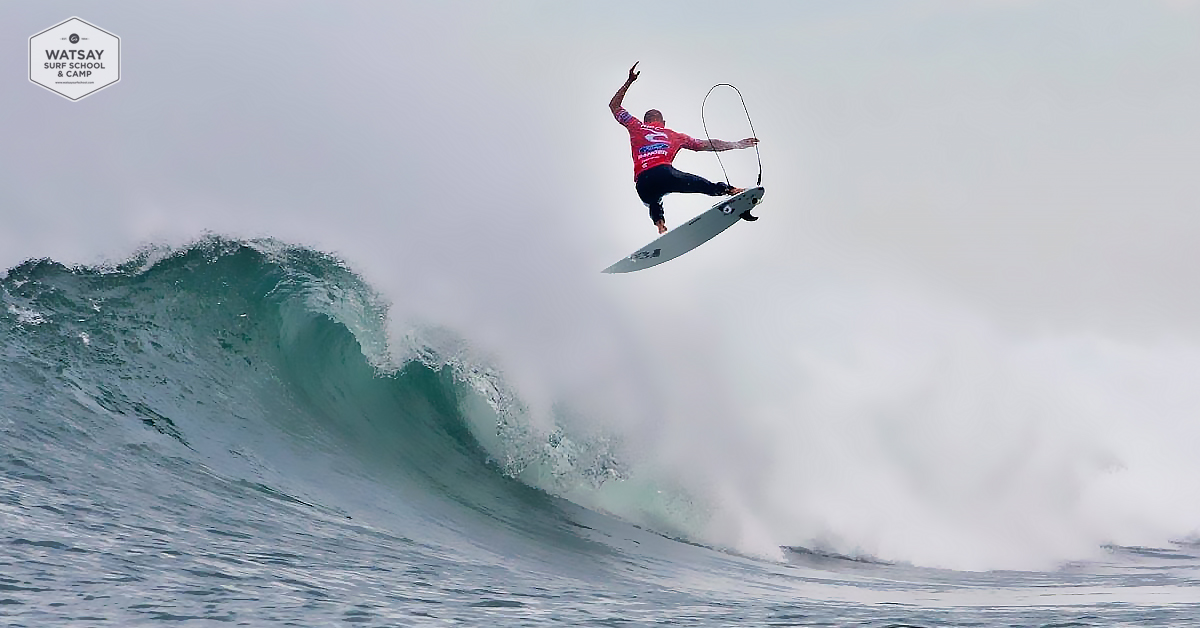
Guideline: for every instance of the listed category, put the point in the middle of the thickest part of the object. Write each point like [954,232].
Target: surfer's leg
[689,183]
[657,214]
[651,186]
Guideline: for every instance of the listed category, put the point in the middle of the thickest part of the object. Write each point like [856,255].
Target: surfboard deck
[691,234]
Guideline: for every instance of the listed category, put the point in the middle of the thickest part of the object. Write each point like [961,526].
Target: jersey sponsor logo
[653,147]
[656,136]
[652,157]
[624,116]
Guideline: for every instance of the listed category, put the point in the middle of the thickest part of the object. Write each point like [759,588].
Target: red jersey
[653,145]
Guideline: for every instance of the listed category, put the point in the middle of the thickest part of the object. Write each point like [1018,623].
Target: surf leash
[752,133]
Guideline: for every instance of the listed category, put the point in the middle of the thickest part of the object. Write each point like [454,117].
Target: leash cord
[710,141]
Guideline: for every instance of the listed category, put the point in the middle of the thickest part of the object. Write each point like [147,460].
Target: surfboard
[691,234]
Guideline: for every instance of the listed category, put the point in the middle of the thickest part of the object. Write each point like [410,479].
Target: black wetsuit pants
[659,181]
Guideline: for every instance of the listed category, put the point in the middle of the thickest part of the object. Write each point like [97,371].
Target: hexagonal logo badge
[74,58]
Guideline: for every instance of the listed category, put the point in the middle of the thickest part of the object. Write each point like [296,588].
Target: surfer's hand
[748,142]
[633,75]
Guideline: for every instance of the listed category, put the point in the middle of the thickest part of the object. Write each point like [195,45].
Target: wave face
[254,357]
[225,432]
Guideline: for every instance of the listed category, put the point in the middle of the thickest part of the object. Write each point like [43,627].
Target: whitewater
[244,432]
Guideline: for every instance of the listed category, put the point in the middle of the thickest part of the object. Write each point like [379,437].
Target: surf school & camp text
[81,67]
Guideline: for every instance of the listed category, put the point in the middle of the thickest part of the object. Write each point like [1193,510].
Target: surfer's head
[654,116]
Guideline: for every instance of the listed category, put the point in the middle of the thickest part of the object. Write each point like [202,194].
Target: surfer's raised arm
[615,104]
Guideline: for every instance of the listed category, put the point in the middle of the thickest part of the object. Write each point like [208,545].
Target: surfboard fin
[746,216]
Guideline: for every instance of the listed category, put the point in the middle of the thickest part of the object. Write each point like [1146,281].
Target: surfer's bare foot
[735,191]
[662,226]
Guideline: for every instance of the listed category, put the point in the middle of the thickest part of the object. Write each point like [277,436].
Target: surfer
[654,148]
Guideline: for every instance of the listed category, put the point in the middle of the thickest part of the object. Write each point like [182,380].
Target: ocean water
[227,434]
